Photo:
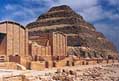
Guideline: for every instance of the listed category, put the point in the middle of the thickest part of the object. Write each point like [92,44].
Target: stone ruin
[59,37]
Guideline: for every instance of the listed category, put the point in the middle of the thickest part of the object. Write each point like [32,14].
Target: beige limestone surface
[102,72]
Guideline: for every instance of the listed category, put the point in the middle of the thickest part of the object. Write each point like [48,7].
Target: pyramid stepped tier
[63,7]
[56,18]
[79,32]
[56,21]
[67,28]
[58,14]
[62,11]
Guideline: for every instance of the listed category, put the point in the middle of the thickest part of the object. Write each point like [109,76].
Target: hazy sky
[103,14]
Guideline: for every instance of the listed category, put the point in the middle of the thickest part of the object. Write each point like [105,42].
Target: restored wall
[59,45]
[37,65]
[39,52]
[8,65]
[50,46]
[16,38]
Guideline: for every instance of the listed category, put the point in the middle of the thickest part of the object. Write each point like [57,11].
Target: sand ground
[99,72]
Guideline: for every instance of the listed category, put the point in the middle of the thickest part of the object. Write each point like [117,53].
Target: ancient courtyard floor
[105,72]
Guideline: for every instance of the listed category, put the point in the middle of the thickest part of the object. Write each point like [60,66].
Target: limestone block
[92,62]
[8,65]
[37,65]
[3,28]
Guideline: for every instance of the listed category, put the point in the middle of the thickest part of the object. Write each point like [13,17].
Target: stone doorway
[67,63]
[15,58]
[3,43]
[54,64]
[73,63]
[46,64]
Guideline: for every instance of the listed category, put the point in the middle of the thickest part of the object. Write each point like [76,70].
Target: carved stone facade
[14,46]
[13,42]
[48,46]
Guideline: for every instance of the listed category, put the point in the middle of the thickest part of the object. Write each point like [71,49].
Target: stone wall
[16,39]
[52,47]
[8,65]
[40,53]
[59,45]
[37,65]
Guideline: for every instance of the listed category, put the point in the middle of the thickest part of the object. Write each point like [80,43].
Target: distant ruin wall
[38,52]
